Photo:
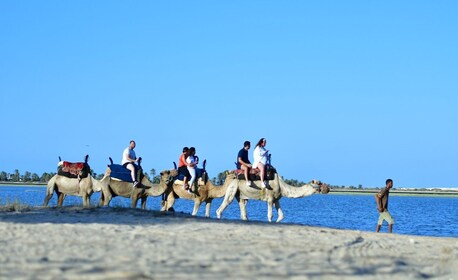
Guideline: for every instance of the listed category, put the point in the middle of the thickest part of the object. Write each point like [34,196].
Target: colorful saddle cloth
[270,174]
[78,170]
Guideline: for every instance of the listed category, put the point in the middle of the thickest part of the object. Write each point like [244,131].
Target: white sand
[121,243]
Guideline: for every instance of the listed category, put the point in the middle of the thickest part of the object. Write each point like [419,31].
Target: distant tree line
[29,177]
[16,176]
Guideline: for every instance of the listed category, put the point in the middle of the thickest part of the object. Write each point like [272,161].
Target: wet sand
[122,243]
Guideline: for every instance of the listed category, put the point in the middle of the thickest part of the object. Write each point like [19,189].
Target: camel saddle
[270,174]
[121,173]
[78,170]
[201,179]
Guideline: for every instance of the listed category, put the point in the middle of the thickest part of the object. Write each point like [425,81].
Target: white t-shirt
[259,155]
[191,159]
[128,153]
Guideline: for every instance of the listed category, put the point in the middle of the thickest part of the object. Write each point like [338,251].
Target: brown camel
[63,186]
[112,187]
[205,192]
[277,188]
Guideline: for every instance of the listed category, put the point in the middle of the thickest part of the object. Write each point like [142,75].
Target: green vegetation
[34,178]
[27,177]
[15,207]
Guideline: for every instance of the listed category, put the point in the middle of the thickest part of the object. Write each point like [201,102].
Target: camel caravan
[75,178]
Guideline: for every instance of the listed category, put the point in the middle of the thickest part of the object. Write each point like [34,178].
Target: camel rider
[243,162]
[128,161]
[183,167]
[260,156]
[192,161]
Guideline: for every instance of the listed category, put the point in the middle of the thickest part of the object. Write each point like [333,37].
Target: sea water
[416,215]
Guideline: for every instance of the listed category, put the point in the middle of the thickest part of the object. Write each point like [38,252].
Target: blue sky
[348,92]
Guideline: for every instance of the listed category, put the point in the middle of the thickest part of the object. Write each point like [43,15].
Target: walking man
[382,205]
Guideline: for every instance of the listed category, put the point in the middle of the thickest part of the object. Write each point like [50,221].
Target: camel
[72,179]
[113,187]
[63,186]
[206,192]
[277,188]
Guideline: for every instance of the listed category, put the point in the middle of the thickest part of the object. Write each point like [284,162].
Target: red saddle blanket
[74,169]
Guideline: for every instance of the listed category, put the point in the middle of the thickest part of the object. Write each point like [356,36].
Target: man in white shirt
[129,159]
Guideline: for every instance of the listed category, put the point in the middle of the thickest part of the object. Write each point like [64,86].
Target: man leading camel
[382,206]
[128,161]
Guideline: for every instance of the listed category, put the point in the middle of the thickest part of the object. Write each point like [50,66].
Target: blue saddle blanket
[120,172]
[199,173]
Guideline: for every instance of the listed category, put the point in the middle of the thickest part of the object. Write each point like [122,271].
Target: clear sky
[348,92]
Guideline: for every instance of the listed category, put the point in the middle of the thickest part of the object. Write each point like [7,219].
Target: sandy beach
[122,243]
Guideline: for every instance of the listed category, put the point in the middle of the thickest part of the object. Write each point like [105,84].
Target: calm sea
[416,215]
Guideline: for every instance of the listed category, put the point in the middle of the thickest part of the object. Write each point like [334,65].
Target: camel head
[168,176]
[320,186]
[324,188]
[230,174]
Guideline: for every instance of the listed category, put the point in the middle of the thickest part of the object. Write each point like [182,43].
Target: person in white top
[192,162]
[260,159]
[128,161]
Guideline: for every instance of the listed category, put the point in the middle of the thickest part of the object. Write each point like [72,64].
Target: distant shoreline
[407,192]
[425,192]
[22,184]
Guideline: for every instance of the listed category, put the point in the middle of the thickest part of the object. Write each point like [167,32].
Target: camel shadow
[104,215]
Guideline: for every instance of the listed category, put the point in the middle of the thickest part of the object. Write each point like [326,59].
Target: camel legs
[101,198]
[269,211]
[228,197]
[196,207]
[138,194]
[134,197]
[105,198]
[143,199]
[242,206]
[164,202]
[279,211]
[223,206]
[207,208]
[50,190]
[86,200]
[169,201]
[48,196]
[60,198]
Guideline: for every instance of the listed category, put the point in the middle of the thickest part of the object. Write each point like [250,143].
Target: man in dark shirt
[243,162]
[382,205]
